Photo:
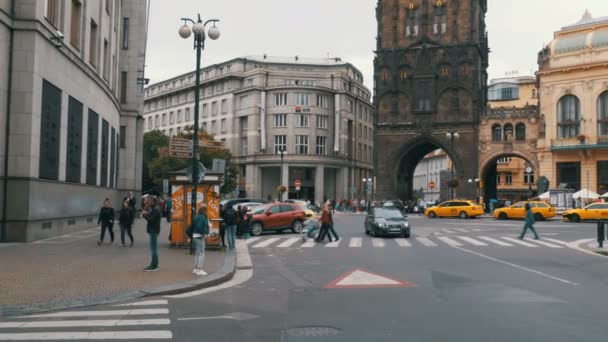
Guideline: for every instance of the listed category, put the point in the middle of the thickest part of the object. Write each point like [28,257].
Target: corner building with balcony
[573,78]
[70,112]
[318,110]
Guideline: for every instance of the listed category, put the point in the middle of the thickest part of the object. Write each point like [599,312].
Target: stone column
[319,183]
[285,180]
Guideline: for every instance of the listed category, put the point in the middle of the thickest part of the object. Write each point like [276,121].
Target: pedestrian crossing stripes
[425,231]
[140,323]
[420,241]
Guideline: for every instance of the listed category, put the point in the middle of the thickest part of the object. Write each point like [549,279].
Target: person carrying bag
[200,230]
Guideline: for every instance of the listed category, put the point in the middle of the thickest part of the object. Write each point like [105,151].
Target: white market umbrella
[545,196]
[585,194]
[604,195]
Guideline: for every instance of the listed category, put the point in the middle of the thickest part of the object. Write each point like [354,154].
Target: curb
[576,245]
[224,274]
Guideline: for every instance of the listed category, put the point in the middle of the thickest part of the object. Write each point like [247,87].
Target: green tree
[160,167]
[153,142]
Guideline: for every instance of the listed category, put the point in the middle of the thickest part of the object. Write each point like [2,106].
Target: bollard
[601,233]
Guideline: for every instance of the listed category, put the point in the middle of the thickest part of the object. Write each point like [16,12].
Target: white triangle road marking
[359,277]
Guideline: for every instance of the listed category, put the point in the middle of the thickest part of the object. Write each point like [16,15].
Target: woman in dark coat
[125,220]
[529,224]
[106,219]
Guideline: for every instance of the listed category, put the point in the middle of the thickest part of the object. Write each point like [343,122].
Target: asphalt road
[455,280]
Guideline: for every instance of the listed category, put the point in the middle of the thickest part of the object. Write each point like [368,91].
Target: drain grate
[313,331]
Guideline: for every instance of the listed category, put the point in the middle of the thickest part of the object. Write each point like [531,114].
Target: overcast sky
[340,28]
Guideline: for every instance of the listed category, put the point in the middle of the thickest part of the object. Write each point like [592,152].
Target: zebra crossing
[147,320]
[449,231]
[416,241]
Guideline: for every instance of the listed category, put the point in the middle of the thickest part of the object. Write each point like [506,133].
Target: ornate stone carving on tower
[430,77]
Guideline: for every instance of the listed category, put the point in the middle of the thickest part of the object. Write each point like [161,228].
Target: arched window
[508,132]
[602,114]
[568,116]
[496,133]
[440,22]
[520,132]
[412,21]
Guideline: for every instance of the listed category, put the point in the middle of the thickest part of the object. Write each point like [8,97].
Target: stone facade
[573,77]
[430,79]
[57,166]
[318,109]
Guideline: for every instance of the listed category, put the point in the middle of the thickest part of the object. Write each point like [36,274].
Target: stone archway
[489,169]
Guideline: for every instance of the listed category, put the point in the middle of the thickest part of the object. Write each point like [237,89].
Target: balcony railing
[580,143]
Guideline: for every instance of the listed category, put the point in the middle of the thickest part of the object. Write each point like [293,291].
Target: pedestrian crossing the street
[143,320]
[416,241]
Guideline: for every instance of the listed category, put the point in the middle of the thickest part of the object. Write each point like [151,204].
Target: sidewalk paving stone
[49,276]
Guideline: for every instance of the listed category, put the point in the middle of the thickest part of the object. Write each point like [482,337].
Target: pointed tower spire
[586,16]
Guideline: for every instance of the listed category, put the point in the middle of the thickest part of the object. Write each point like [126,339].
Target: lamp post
[368,186]
[475,182]
[529,173]
[282,153]
[200,33]
[452,136]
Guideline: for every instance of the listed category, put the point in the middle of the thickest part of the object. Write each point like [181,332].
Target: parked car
[249,205]
[595,211]
[455,208]
[277,217]
[540,209]
[386,221]
[236,201]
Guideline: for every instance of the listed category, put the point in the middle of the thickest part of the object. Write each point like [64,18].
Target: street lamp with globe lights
[475,182]
[368,189]
[452,136]
[201,32]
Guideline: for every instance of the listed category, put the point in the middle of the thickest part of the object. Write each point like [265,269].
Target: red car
[277,216]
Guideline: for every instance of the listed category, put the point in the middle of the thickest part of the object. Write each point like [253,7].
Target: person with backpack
[529,224]
[200,230]
[125,220]
[152,216]
[106,219]
[230,218]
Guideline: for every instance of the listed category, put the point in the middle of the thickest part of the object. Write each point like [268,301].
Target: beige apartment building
[573,77]
[71,103]
[317,110]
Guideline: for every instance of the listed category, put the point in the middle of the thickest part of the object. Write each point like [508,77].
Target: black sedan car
[390,221]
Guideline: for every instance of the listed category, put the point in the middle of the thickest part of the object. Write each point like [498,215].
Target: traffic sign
[180,148]
[363,279]
[432,185]
[297,184]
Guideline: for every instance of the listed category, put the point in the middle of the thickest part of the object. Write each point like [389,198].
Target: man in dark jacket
[230,218]
[153,228]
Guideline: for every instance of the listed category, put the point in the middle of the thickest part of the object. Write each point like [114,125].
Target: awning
[585,194]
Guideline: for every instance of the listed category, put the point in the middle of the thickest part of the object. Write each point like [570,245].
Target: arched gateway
[430,80]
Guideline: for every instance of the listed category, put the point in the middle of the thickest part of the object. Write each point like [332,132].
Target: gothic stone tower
[430,80]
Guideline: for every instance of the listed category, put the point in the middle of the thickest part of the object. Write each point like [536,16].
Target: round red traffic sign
[297,183]
[431,185]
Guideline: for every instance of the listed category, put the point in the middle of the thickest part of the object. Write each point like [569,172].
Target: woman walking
[327,225]
[106,219]
[199,234]
[529,224]
[125,220]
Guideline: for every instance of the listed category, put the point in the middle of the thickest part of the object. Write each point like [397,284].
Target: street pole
[282,152]
[452,169]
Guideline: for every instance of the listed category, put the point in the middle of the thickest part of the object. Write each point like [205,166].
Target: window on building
[360,130]
[108,6]
[205,110]
[125,33]
[244,146]
[224,106]
[156,121]
[106,60]
[440,22]
[503,160]
[602,114]
[178,130]
[123,136]
[322,121]
[280,143]
[244,124]
[321,145]
[205,127]
[179,116]
[52,12]
[150,123]
[223,126]
[123,87]
[75,23]
[568,117]
[164,121]
[412,22]
[528,178]
[301,144]
[171,118]
[302,99]
[520,132]
[509,178]
[105,131]
[92,144]
[249,82]
[534,93]
[280,120]
[445,71]
[496,133]
[214,108]
[213,127]
[280,99]
[302,120]
[188,114]
[498,178]
[244,102]
[503,92]
[508,129]
[93,43]
[50,128]
[322,101]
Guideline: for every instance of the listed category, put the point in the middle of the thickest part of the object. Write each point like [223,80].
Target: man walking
[230,218]
[153,218]
[529,224]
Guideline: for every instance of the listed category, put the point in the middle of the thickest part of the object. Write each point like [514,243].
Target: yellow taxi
[540,209]
[307,208]
[455,208]
[595,211]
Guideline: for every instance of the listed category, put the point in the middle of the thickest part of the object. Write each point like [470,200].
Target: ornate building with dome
[573,92]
